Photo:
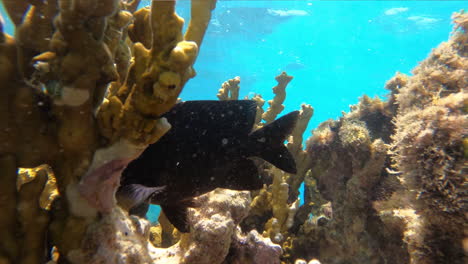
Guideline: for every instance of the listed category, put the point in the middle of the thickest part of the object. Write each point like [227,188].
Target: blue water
[336,50]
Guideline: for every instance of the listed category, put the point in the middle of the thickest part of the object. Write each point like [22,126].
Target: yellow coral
[79,49]
[50,190]
[229,89]
[280,95]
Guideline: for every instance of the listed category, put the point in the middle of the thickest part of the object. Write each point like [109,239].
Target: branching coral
[271,212]
[57,71]
[282,211]
[280,95]
[295,146]
[275,206]
[49,193]
[229,89]
[33,218]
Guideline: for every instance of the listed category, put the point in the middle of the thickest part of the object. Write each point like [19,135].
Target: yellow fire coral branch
[33,219]
[156,76]
[66,57]
[296,148]
[280,95]
[229,89]
[201,15]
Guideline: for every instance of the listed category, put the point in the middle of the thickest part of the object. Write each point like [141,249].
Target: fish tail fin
[132,195]
[268,142]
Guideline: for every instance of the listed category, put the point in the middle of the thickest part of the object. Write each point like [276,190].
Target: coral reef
[272,209]
[83,98]
[280,95]
[215,237]
[84,84]
[348,160]
[413,213]
[213,226]
[428,150]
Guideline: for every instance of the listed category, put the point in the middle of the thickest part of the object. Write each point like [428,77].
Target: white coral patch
[292,212]
[122,149]
[78,205]
[72,96]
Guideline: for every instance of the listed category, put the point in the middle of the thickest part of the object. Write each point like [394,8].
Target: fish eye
[171,86]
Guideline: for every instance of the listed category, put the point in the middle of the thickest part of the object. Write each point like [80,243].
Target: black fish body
[208,146]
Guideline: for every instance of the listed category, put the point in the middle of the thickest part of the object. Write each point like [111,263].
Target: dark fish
[208,146]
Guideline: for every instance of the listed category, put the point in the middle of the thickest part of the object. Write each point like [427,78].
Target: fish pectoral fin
[178,216]
[268,142]
[243,176]
[129,196]
[140,210]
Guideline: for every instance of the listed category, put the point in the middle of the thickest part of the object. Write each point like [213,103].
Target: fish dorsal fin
[268,142]
[243,176]
[131,195]
[177,215]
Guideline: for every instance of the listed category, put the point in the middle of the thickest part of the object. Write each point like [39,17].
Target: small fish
[208,146]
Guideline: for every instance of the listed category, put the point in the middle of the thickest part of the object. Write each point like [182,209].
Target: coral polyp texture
[83,97]
[84,86]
